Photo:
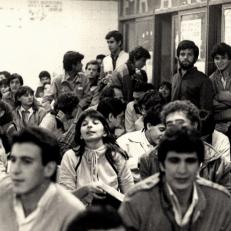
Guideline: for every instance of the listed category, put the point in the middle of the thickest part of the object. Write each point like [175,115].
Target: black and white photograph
[115,115]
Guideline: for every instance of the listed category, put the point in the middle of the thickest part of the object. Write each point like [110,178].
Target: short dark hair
[152,118]
[5,73]
[42,138]
[93,62]
[188,44]
[151,100]
[100,56]
[166,84]
[15,76]
[181,140]
[143,87]
[190,110]
[221,49]
[110,105]
[44,74]
[66,102]
[138,53]
[22,91]
[116,35]
[71,58]
[97,217]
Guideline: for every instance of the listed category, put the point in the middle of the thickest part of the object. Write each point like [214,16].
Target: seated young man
[175,198]
[185,114]
[132,112]
[113,110]
[137,143]
[29,197]
[44,78]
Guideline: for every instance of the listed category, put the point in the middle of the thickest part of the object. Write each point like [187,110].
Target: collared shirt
[136,145]
[26,223]
[223,80]
[181,219]
[22,109]
[79,85]
[114,59]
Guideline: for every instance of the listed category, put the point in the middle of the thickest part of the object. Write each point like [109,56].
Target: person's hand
[6,94]
[88,192]
[61,116]
[119,131]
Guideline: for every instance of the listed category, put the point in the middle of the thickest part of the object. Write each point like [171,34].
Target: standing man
[73,78]
[117,56]
[221,79]
[125,76]
[175,198]
[29,197]
[189,83]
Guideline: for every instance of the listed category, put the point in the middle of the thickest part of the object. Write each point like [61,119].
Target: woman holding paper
[97,160]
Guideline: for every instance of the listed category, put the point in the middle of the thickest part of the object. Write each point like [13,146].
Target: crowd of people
[166,147]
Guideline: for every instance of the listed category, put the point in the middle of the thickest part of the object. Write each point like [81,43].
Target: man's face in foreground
[26,169]
[180,170]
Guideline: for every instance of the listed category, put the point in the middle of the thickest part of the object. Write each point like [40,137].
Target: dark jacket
[122,78]
[222,100]
[147,207]
[194,86]
[214,168]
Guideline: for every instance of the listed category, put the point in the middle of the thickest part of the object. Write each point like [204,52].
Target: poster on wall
[191,30]
[227,38]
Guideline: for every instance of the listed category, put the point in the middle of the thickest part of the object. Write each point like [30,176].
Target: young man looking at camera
[176,198]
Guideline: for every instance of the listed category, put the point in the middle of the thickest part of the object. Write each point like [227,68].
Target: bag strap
[79,161]
[111,162]
[109,159]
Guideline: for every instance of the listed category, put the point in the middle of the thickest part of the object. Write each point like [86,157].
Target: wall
[36,33]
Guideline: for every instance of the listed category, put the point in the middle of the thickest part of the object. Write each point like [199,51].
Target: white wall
[36,33]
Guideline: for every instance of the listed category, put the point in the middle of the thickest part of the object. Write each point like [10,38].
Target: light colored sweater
[95,168]
[56,217]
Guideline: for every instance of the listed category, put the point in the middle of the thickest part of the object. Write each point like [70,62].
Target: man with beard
[189,83]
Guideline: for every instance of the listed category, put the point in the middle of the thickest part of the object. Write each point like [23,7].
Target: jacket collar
[167,206]
[139,137]
[192,70]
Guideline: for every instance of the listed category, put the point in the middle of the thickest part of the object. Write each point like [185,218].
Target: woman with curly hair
[96,159]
